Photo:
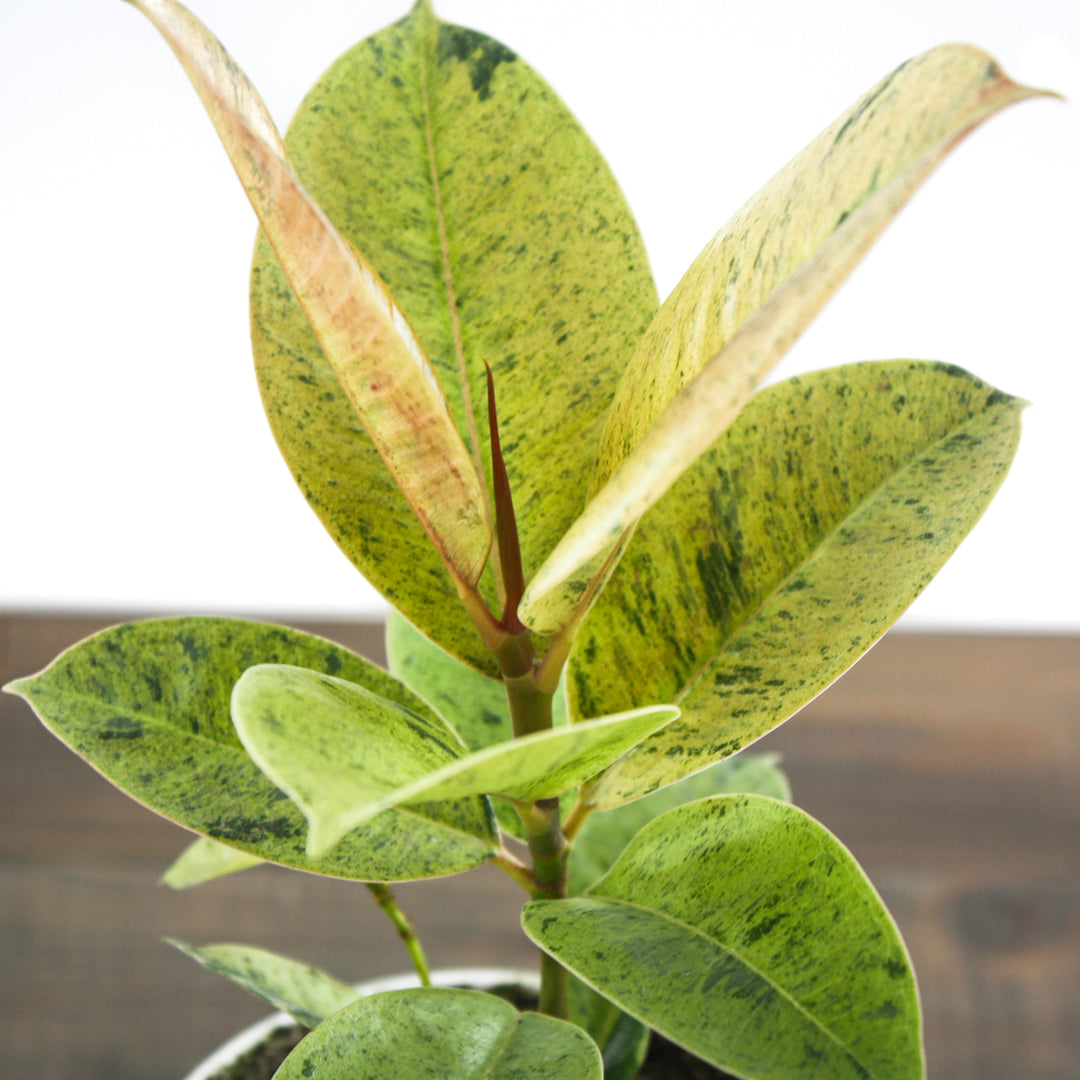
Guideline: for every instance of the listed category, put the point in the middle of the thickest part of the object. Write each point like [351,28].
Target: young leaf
[449,1034]
[758,284]
[330,744]
[307,994]
[606,833]
[741,929]
[473,704]
[147,704]
[204,860]
[445,159]
[345,756]
[787,551]
[377,360]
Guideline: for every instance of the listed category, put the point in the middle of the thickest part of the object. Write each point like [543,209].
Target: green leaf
[454,168]
[789,549]
[756,286]
[204,860]
[444,1034]
[474,704]
[623,1041]
[380,366]
[345,756]
[307,994]
[147,704]
[741,929]
[606,833]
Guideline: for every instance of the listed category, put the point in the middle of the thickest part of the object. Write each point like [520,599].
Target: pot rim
[478,977]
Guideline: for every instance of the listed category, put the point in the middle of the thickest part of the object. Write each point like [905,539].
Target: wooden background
[948,764]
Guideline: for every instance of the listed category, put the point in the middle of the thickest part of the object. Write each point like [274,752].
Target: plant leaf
[204,860]
[786,552]
[449,1034]
[475,705]
[147,704]
[306,993]
[345,756]
[476,195]
[741,929]
[377,360]
[757,285]
[622,1040]
[606,833]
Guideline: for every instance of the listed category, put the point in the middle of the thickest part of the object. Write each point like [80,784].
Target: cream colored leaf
[375,355]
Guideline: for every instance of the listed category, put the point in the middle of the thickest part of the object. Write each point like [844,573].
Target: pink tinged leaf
[374,353]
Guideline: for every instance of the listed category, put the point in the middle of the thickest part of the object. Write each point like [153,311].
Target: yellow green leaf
[754,289]
[443,157]
[784,554]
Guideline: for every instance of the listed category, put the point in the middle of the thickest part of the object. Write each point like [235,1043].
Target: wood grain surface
[948,764]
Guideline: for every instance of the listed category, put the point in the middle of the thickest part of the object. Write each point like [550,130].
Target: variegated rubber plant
[616,562]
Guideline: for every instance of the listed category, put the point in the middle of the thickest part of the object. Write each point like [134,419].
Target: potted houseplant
[614,565]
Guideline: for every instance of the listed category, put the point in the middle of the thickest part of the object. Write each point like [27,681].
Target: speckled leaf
[606,833]
[204,860]
[147,704]
[378,363]
[472,190]
[306,993]
[757,285]
[785,554]
[345,756]
[442,1035]
[740,928]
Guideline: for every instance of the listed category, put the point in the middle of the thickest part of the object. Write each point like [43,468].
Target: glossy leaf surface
[740,928]
[442,1035]
[204,860]
[607,833]
[786,553]
[345,756]
[147,704]
[444,158]
[307,994]
[757,285]
[379,364]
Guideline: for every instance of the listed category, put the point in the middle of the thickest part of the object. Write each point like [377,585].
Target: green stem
[550,851]
[554,988]
[385,899]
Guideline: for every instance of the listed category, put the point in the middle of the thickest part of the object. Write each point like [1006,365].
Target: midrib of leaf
[786,995]
[496,1054]
[870,497]
[427,47]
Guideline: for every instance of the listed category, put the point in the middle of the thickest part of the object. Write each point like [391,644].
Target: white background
[139,473]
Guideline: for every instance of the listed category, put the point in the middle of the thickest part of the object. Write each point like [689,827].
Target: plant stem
[512,866]
[554,988]
[549,851]
[575,819]
[385,899]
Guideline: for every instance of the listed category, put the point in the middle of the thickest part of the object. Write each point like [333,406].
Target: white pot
[478,978]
